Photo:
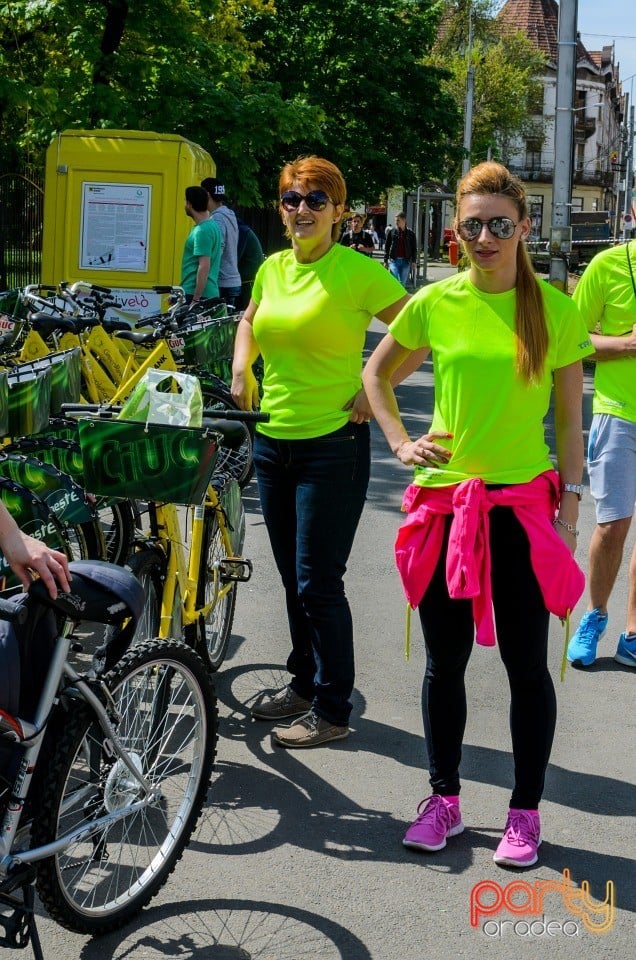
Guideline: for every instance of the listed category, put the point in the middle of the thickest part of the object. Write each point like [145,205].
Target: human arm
[568,419]
[203,272]
[614,348]
[244,387]
[25,555]
[388,243]
[388,357]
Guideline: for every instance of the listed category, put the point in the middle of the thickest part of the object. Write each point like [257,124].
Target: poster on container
[115,225]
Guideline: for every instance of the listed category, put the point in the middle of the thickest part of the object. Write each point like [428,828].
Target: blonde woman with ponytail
[486,552]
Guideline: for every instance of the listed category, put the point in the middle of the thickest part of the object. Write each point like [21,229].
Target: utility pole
[470,96]
[561,231]
[628,220]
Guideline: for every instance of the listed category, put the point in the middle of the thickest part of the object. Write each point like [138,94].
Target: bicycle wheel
[216,627]
[119,522]
[168,725]
[148,566]
[238,463]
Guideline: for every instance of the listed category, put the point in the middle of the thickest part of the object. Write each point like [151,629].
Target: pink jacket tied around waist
[419,544]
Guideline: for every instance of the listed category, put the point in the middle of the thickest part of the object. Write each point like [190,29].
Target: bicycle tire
[215,629]
[98,885]
[118,519]
[149,568]
[239,463]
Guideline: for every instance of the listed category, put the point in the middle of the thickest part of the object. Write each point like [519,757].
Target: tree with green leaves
[172,66]
[508,72]
[255,82]
[386,118]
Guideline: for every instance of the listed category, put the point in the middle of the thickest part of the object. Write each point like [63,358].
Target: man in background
[202,249]
[357,238]
[249,258]
[606,297]
[400,250]
[225,219]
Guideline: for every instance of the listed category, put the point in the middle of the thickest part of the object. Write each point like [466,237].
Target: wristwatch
[576,488]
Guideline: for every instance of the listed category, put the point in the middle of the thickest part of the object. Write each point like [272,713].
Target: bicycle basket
[208,340]
[29,399]
[153,461]
[4,403]
[66,376]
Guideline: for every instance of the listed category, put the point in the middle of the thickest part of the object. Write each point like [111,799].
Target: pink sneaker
[521,839]
[438,818]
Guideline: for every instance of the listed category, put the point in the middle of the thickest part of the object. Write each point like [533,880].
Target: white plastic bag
[165,396]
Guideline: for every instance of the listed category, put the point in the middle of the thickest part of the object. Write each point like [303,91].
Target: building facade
[599,114]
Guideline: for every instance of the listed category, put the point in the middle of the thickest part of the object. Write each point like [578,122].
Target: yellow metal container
[114,210]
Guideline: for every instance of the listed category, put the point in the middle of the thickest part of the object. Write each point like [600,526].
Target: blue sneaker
[582,646]
[626,650]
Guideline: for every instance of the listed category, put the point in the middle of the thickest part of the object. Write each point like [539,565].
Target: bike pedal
[235,570]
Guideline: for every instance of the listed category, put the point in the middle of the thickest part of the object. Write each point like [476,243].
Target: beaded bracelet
[568,526]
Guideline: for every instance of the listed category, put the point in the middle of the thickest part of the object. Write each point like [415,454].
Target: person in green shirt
[308,316]
[500,341]
[202,249]
[606,296]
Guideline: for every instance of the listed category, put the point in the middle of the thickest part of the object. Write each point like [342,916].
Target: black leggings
[522,624]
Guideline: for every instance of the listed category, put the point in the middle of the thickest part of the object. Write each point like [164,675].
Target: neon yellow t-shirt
[495,417]
[310,328]
[607,301]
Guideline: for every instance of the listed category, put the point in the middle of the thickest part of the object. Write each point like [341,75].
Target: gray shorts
[611,465]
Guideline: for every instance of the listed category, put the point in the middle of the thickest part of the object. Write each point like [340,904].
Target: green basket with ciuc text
[147,461]
[208,340]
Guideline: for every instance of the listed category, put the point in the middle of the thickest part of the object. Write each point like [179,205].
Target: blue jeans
[400,269]
[230,294]
[312,493]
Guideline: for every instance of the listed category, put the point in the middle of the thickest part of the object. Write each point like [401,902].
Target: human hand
[244,390]
[26,555]
[569,536]
[424,452]
[360,408]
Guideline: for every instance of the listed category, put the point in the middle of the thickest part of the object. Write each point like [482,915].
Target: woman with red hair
[310,309]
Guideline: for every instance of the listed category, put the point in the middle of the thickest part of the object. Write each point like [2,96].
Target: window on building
[533,154]
[535,209]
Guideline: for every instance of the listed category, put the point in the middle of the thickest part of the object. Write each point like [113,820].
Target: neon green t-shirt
[310,328]
[495,417]
[607,301]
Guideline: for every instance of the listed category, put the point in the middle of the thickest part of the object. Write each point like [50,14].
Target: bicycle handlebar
[13,612]
[108,411]
[247,416]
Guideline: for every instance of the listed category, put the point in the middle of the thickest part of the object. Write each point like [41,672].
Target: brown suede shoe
[285,703]
[309,731]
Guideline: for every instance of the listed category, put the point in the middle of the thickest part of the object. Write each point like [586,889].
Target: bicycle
[104,773]
[190,590]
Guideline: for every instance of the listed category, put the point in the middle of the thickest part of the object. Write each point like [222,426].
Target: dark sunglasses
[316,200]
[501,227]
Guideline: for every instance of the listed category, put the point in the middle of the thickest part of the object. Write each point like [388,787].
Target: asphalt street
[299,854]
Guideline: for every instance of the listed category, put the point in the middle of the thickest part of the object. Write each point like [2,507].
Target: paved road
[299,854]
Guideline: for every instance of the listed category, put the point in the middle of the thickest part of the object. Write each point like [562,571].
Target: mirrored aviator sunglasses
[317,200]
[502,228]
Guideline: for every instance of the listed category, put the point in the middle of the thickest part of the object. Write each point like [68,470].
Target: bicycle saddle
[232,431]
[101,592]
